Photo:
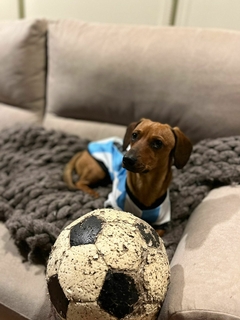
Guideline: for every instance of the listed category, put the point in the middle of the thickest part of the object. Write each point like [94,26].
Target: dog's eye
[157,144]
[134,136]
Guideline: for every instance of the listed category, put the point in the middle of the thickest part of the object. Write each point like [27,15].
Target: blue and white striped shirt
[108,151]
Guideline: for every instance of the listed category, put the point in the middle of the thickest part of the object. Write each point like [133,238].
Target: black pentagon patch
[149,235]
[118,294]
[85,232]
[57,296]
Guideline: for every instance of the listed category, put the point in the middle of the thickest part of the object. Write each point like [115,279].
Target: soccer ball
[108,265]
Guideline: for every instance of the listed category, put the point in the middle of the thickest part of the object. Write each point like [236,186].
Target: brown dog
[153,149]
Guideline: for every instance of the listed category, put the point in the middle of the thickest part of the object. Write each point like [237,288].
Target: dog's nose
[129,160]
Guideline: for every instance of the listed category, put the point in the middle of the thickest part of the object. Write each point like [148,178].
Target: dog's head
[154,145]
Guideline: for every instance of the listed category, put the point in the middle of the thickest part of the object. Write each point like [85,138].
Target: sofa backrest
[100,77]
[117,74]
[22,68]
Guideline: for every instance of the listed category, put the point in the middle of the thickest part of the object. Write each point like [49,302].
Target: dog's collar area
[141,206]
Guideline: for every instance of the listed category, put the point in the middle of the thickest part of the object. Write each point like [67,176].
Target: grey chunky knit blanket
[36,205]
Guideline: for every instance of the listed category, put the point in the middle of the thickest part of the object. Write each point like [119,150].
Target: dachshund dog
[140,175]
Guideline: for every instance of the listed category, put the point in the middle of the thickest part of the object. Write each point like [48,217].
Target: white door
[153,12]
[209,13]
[9,9]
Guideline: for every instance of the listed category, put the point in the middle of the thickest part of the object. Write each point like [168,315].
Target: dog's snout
[129,160]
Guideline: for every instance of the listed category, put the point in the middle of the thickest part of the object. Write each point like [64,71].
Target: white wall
[151,12]
[209,13]
[195,13]
[8,9]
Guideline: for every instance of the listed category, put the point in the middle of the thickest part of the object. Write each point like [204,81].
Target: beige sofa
[92,80]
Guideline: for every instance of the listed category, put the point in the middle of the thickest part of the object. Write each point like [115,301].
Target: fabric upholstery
[17,116]
[205,269]
[23,286]
[85,129]
[101,77]
[118,74]
[23,64]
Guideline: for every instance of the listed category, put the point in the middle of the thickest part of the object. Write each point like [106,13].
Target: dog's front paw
[160,232]
[85,188]
[94,194]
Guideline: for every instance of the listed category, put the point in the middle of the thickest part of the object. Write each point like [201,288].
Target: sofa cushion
[85,129]
[23,289]
[118,74]
[205,269]
[23,64]
[10,116]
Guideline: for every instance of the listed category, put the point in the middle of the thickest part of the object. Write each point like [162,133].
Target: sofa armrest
[205,270]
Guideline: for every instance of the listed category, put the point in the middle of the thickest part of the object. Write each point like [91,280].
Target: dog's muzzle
[129,162]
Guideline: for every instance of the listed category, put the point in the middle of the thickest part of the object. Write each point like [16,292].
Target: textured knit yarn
[36,205]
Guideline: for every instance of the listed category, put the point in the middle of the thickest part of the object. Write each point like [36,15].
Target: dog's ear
[128,134]
[182,149]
